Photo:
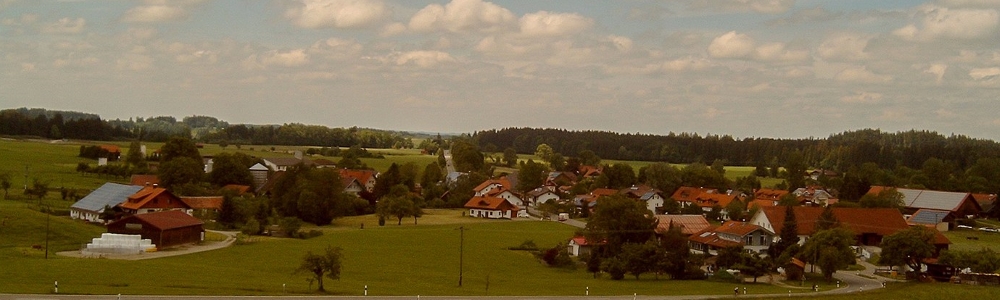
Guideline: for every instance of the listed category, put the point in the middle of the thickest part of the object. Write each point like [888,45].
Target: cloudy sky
[765,68]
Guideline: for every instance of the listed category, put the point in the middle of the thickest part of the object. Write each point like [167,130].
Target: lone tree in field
[320,265]
[5,183]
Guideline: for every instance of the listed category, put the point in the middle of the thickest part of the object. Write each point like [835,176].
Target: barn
[165,229]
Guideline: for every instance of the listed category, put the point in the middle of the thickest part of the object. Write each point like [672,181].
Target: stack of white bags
[113,243]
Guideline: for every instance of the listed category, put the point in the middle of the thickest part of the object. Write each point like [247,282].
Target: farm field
[971,240]
[391,260]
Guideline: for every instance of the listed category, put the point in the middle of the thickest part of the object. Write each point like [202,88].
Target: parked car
[989,229]
[964,226]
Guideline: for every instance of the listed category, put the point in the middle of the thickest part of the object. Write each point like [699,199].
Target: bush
[528,245]
[558,257]
[723,276]
[251,227]
[308,235]
[615,267]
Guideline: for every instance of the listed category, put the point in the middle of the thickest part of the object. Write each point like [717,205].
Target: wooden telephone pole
[461,252]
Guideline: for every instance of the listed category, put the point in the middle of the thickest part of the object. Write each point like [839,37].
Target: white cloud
[760,6]
[686,64]
[391,29]
[731,45]
[861,74]
[65,26]
[546,24]
[291,58]
[942,22]
[621,43]
[937,70]
[777,52]
[985,74]
[154,13]
[337,13]
[462,16]
[423,59]
[862,98]
[843,47]
[135,62]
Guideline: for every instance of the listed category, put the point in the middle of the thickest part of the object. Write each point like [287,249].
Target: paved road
[450,165]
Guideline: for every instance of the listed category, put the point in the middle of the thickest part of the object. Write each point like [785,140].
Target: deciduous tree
[830,250]
[619,220]
[908,247]
[326,264]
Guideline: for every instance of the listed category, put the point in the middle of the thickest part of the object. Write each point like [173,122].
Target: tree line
[836,152]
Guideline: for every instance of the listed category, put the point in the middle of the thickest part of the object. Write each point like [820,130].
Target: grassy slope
[959,239]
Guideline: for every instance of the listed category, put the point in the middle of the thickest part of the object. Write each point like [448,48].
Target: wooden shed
[165,229]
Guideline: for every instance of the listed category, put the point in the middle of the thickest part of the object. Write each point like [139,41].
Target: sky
[745,68]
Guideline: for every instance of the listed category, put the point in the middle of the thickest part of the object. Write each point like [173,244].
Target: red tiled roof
[738,228]
[143,180]
[689,224]
[166,220]
[491,203]
[239,189]
[502,182]
[603,192]
[713,199]
[769,194]
[688,194]
[111,148]
[582,241]
[708,236]
[144,196]
[211,202]
[361,175]
[762,203]
[881,221]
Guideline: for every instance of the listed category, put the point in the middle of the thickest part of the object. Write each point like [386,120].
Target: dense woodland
[837,152]
[74,125]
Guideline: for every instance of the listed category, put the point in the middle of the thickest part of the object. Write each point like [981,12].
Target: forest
[838,152]
[54,124]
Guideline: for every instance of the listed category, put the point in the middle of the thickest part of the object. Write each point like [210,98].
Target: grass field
[981,239]
[391,260]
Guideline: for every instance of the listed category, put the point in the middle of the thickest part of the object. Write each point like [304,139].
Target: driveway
[182,250]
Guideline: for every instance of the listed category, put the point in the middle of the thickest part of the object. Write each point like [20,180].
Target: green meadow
[410,259]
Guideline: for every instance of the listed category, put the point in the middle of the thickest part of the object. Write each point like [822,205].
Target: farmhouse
[165,229]
[493,208]
[492,186]
[579,245]
[959,204]
[365,178]
[152,199]
[689,224]
[203,205]
[870,225]
[653,198]
[108,195]
[541,196]
[752,238]
[282,163]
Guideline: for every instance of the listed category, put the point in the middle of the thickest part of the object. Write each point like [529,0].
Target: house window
[762,240]
[749,240]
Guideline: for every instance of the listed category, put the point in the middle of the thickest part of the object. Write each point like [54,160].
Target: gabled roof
[164,220]
[209,202]
[540,191]
[144,179]
[710,237]
[739,228]
[881,221]
[239,189]
[913,198]
[640,191]
[284,161]
[713,199]
[501,182]
[603,192]
[111,148]
[986,201]
[322,162]
[769,194]
[490,203]
[144,196]
[688,194]
[258,167]
[363,176]
[590,171]
[928,217]
[110,194]
[582,241]
[689,224]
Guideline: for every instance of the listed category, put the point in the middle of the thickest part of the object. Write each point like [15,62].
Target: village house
[870,225]
[579,245]
[152,199]
[493,208]
[766,197]
[109,195]
[688,224]
[814,196]
[960,205]
[753,238]
[653,198]
[203,206]
[541,196]
[164,229]
[366,178]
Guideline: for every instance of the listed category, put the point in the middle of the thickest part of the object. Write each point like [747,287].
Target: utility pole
[461,251]
[47,215]
[25,177]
